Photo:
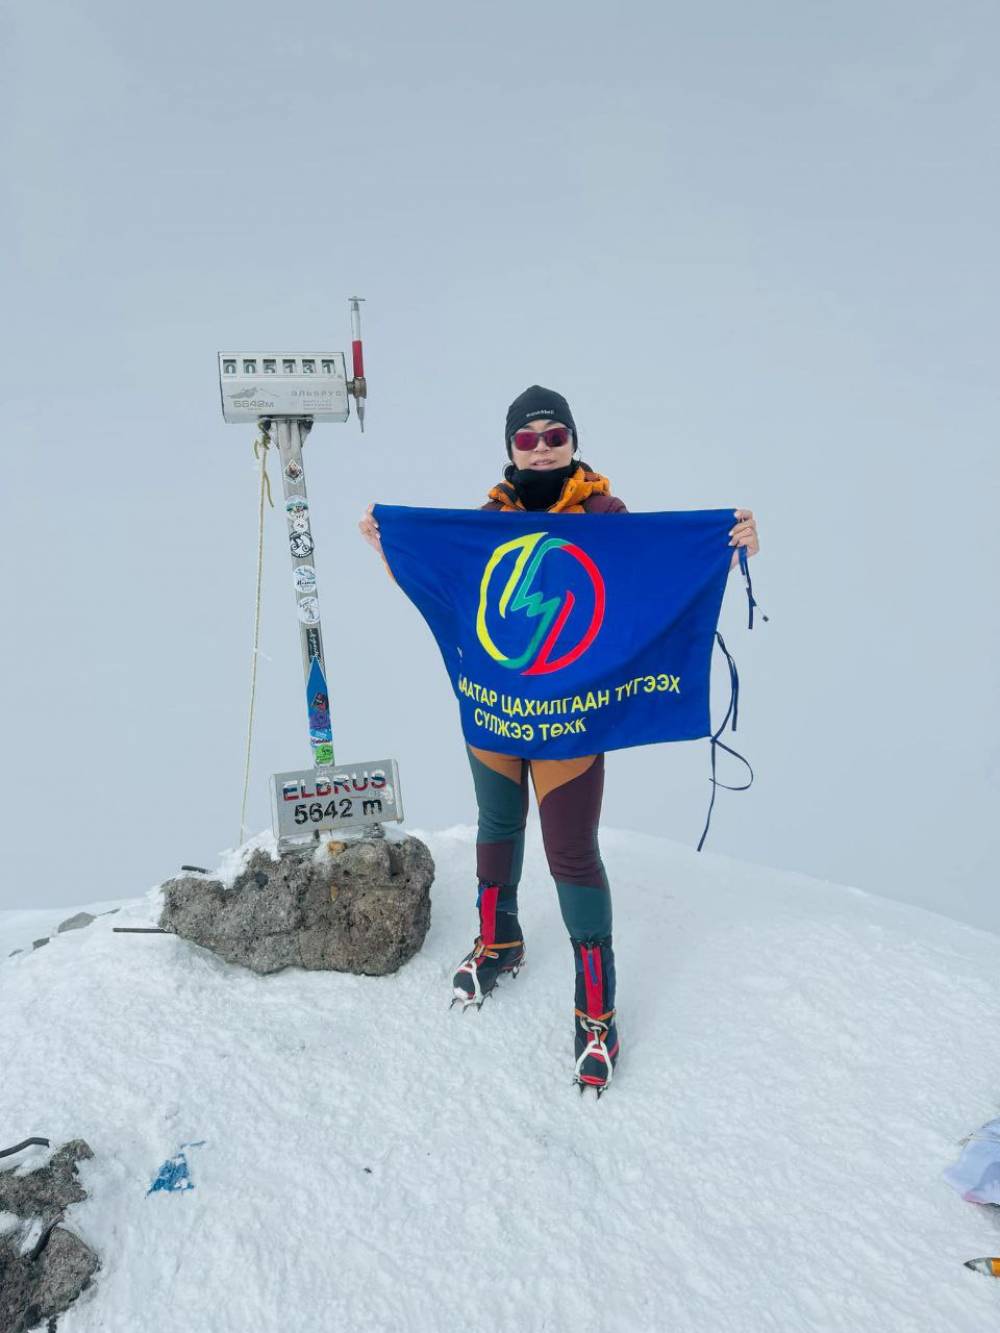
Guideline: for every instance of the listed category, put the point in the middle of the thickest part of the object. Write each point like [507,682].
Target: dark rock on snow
[55,1265]
[361,906]
[75,922]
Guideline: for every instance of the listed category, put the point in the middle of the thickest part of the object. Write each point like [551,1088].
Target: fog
[755,249]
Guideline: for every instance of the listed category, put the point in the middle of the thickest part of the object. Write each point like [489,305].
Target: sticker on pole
[301,544]
[297,509]
[318,700]
[308,610]
[304,578]
[347,797]
[314,642]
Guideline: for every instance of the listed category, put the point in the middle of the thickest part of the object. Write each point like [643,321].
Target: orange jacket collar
[577,487]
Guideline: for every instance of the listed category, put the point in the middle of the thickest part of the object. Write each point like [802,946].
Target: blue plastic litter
[174,1175]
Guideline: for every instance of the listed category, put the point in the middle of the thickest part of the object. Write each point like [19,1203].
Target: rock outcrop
[43,1266]
[362,906]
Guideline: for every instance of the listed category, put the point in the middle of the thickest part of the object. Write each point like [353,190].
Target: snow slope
[799,1061]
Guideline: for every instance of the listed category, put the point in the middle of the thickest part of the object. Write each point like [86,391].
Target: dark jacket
[584,492]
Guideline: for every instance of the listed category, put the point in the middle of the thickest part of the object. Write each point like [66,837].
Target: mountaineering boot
[597,1042]
[498,948]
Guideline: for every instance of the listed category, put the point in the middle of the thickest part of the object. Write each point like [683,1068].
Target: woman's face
[541,458]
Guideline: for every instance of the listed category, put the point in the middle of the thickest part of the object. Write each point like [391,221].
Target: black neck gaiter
[539,489]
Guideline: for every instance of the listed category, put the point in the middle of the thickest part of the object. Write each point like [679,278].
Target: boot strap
[598,1018]
[488,949]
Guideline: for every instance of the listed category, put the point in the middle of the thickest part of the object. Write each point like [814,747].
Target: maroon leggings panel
[570,815]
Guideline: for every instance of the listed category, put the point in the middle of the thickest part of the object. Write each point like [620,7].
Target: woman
[544,474]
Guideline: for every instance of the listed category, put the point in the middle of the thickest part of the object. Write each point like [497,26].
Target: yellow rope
[260,448]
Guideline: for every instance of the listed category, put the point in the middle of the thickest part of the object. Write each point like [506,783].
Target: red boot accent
[593,980]
[488,913]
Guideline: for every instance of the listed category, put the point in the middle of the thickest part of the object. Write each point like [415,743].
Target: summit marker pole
[292,392]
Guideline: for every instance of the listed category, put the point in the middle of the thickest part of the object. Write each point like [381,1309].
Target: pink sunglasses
[555,437]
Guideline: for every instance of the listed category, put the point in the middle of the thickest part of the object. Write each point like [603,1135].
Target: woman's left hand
[744,533]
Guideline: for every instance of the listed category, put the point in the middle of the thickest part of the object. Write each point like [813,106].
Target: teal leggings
[569,794]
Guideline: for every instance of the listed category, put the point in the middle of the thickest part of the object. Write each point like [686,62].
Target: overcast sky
[754,246]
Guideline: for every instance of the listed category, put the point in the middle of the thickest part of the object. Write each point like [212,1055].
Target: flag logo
[533,619]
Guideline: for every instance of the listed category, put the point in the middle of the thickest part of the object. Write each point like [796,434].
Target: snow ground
[799,1061]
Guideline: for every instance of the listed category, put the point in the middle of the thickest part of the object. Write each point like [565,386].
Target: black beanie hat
[535,403]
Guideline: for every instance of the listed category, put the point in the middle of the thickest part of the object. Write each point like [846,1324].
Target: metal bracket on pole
[358,386]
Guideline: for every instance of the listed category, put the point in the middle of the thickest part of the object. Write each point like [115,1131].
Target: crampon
[595,1065]
[596,1036]
[498,949]
[478,973]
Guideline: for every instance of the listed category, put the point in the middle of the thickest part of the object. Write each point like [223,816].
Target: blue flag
[566,634]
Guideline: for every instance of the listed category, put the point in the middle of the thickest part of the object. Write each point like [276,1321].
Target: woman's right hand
[369,529]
